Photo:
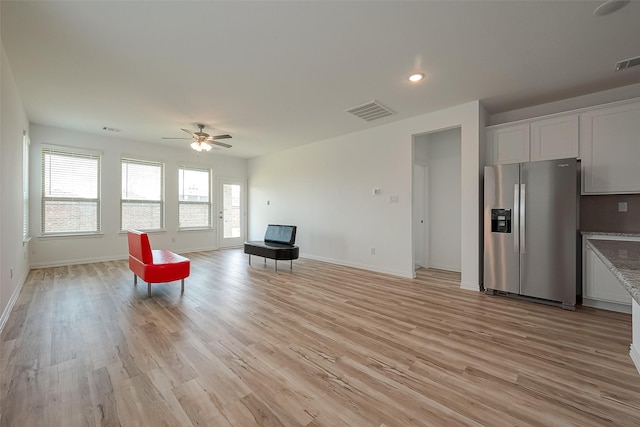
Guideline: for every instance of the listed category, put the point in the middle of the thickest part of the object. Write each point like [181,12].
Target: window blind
[142,203]
[194,198]
[70,192]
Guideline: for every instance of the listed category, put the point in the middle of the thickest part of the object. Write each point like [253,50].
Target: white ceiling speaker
[610,6]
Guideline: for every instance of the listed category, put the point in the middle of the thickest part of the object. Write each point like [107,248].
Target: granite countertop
[622,257]
[609,233]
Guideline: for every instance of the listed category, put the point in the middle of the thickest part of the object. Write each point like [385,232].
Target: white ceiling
[280,74]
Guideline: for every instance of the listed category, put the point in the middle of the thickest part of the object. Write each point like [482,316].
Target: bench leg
[249,259]
[291,267]
[276,264]
[182,287]
[265,261]
[149,289]
[135,279]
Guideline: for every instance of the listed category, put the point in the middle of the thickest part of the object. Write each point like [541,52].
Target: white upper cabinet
[610,149]
[554,138]
[508,144]
[543,139]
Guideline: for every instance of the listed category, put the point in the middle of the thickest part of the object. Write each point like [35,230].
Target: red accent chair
[155,266]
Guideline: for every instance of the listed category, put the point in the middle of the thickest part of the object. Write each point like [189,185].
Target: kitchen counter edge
[608,233]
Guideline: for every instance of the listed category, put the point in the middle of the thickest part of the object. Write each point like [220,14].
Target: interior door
[231,213]
[419,217]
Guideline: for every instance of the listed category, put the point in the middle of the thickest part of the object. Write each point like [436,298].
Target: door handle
[516,214]
[523,216]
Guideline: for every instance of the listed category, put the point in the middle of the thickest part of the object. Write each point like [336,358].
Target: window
[70,192]
[194,198]
[142,195]
[25,186]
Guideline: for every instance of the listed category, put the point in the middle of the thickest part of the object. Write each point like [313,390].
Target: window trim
[71,152]
[209,204]
[26,219]
[162,166]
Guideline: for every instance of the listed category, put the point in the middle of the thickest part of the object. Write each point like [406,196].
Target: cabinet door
[554,138]
[600,283]
[509,144]
[610,149]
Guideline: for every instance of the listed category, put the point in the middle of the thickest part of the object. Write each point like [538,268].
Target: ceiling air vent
[628,63]
[370,111]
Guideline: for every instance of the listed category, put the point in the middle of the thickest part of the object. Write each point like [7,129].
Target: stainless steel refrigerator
[530,230]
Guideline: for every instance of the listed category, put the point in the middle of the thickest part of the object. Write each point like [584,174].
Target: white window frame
[71,152]
[160,202]
[26,142]
[208,204]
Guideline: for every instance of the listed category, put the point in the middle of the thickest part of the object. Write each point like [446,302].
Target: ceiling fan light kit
[200,146]
[202,141]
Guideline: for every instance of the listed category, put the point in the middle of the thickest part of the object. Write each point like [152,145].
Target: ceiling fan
[202,140]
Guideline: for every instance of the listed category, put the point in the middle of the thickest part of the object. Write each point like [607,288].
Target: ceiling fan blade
[189,132]
[221,144]
[221,137]
[176,138]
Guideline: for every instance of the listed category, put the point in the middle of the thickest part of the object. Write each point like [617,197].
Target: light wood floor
[321,345]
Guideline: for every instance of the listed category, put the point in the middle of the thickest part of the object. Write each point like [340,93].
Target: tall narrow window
[194,198]
[70,191]
[25,186]
[142,203]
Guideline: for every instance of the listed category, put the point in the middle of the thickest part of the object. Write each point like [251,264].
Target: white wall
[13,254]
[325,189]
[444,200]
[589,100]
[112,244]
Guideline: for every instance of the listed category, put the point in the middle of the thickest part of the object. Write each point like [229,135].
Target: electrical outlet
[173,240]
[373,251]
[622,206]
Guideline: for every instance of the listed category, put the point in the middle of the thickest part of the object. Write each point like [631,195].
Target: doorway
[437,196]
[231,213]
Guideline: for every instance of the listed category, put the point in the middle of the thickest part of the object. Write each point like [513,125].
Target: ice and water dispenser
[501,220]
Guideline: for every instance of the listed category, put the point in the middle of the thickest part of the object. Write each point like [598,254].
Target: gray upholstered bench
[278,244]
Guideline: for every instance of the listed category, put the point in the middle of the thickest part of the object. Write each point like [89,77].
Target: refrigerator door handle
[516,214]
[523,189]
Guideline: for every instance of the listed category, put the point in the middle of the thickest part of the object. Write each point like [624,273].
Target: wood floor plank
[319,345]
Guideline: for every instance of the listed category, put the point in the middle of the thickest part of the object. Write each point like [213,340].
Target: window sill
[124,232]
[195,229]
[70,236]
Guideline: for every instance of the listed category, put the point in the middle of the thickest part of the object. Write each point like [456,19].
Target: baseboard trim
[104,259]
[606,305]
[470,286]
[409,275]
[12,301]
[635,356]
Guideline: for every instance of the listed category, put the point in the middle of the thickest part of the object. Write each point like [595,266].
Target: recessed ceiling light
[416,77]
[610,6]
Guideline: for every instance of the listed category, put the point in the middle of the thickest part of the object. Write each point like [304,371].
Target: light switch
[622,206]
[376,191]
[393,199]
